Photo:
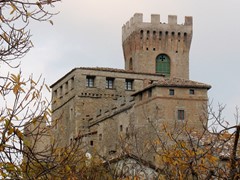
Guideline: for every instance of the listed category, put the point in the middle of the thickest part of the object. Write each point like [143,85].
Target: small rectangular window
[109,83]
[171,92]
[61,91]
[66,87]
[191,91]
[91,143]
[72,83]
[55,93]
[129,84]
[181,114]
[90,81]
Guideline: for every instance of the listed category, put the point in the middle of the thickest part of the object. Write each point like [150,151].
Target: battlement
[136,22]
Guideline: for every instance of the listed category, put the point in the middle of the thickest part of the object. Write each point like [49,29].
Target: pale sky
[87,33]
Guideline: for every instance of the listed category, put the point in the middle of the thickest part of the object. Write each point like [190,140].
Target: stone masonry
[101,106]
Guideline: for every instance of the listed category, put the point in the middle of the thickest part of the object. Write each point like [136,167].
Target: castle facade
[105,106]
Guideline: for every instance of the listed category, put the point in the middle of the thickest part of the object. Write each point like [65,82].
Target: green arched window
[163,64]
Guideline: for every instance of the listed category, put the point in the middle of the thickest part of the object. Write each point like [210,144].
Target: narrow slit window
[150,93]
[121,128]
[61,91]
[130,64]
[100,137]
[148,34]
[154,34]
[72,83]
[141,34]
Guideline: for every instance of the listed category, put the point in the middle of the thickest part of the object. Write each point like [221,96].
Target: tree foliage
[21,98]
[15,17]
[24,120]
[207,154]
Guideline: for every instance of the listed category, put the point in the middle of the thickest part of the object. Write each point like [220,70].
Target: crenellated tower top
[137,22]
[147,45]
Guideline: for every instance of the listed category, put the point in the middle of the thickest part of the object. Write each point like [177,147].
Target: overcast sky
[88,33]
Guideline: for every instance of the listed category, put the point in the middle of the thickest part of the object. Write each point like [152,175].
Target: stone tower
[157,47]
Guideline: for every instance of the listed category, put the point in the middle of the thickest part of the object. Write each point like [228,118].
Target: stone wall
[144,41]
[74,102]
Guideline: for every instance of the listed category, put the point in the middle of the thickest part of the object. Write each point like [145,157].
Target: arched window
[163,64]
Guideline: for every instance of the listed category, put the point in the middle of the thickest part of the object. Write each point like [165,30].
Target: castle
[102,106]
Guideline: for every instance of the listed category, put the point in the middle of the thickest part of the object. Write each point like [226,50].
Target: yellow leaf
[10,167]
[14,77]
[13,8]
[1,148]
[15,89]
[19,134]
[28,14]
[10,131]
[39,5]
[5,37]
[1,18]
[67,168]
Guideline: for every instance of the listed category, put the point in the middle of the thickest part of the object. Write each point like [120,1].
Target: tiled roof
[175,82]
[178,82]
[105,69]
[118,70]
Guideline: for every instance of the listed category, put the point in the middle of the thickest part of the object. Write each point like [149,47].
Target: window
[148,34]
[191,91]
[66,88]
[129,84]
[100,137]
[90,81]
[109,83]
[150,93]
[121,128]
[154,34]
[180,114]
[140,96]
[163,64]
[55,93]
[171,92]
[91,143]
[71,113]
[61,91]
[141,34]
[72,83]
[130,64]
